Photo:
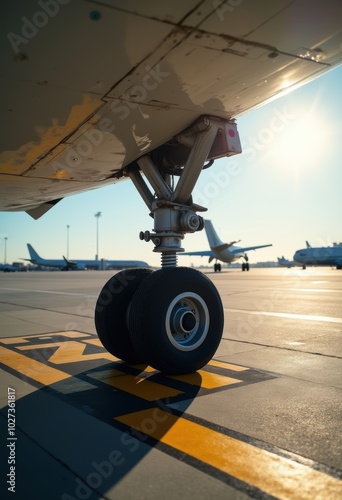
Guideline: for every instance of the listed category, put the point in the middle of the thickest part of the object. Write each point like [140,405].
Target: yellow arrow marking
[138,386]
[228,366]
[206,379]
[31,368]
[69,352]
[25,339]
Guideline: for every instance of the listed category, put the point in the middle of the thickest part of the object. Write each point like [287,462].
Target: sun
[301,145]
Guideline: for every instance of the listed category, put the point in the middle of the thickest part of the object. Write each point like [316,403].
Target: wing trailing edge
[247,249]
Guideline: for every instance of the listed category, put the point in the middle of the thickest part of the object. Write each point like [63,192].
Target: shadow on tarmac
[70,443]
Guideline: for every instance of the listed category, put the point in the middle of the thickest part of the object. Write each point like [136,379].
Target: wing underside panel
[241,250]
[92,89]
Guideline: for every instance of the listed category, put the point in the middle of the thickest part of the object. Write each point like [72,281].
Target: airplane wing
[247,249]
[203,253]
[69,264]
[87,88]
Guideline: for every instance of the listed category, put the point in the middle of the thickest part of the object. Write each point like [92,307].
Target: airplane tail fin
[33,254]
[213,239]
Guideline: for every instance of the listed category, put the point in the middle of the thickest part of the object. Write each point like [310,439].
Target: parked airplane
[226,252]
[286,263]
[320,256]
[153,88]
[290,263]
[66,264]
[8,268]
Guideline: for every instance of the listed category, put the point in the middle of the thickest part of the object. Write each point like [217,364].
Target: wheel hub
[187,321]
[183,321]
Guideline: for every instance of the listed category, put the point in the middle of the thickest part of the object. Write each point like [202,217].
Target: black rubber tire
[156,300]
[111,313]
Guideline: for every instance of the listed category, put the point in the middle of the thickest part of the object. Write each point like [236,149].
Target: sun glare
[301,145]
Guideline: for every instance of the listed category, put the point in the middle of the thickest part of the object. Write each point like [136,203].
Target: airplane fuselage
[320,256]
[87,264]
[227,255]
[96,264]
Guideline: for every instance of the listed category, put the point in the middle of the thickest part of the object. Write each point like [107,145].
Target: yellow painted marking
[69,352]
[17,161]
[228,366]
[31,368]
[206,379]
[95,341]
[25,339]
[271,473]
[220,364]
[138,386]
[145,368]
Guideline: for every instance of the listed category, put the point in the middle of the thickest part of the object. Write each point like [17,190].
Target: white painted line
[304,317]
[317,290]
[48,291]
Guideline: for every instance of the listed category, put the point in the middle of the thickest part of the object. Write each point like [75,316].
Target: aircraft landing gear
[172,318]
[245,265]
[217,267]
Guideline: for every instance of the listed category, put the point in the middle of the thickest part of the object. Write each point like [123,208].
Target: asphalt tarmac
[261,420]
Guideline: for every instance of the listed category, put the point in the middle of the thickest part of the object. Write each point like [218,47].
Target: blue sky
[283,189]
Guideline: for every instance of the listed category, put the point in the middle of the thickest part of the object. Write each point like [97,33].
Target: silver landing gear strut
[173,211]
[172,318]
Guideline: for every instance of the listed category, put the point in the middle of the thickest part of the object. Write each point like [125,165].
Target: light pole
[5,256]
[97,215]
[68,242]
